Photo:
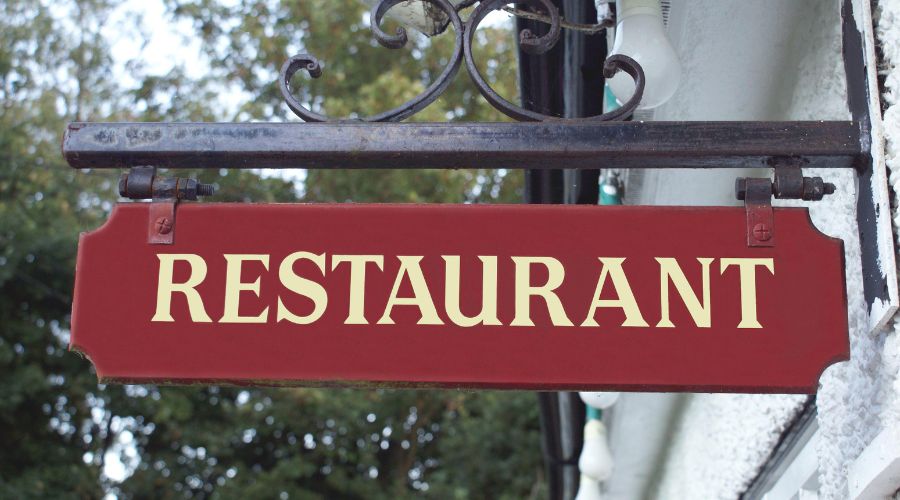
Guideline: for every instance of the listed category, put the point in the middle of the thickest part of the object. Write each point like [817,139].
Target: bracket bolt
[762,232]
[740,188]
[142,183]
[163,225]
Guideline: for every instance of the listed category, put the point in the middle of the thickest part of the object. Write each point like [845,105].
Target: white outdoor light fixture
[641,35]
[596,459]
[588,489]
[599,400]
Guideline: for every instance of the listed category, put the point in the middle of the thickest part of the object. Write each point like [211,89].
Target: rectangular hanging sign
[471,296]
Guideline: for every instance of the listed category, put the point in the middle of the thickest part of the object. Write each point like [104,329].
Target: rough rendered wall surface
[859,398]
[722,440]
[888,34]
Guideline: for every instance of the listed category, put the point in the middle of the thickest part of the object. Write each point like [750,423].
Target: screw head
[163,225]
[762,232]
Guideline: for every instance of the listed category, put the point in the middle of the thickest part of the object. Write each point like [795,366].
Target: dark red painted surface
[802,307]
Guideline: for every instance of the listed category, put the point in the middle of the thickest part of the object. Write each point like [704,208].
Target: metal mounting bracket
[760,215]
[142,183]
[757,192]
[161,223]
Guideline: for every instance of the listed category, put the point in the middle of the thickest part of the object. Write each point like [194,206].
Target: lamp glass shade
[641,35]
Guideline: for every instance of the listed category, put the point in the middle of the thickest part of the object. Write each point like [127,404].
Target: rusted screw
[762,232]
[163,225]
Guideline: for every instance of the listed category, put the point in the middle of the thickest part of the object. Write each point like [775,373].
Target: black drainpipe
[566,81]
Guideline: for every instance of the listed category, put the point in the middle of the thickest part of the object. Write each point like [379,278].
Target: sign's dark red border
[801,306]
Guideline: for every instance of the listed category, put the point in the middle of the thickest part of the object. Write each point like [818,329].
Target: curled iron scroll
[464,35]
[538,45]
[438,86]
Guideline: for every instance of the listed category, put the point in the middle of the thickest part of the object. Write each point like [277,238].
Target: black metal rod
[828,144]
[555,83]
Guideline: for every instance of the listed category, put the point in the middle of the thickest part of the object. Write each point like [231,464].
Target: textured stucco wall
[721,440]
[846,392]
[858,398]
[888,34]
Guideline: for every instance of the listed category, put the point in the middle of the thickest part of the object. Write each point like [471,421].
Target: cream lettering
[409,267]
[748,286]
[357,307]
[515,291]
[612,267]
[234,286]
[524,290]
[166,287]
[488,314]
[302,286]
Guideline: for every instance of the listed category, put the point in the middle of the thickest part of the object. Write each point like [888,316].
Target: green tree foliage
[46,394]
[60,429]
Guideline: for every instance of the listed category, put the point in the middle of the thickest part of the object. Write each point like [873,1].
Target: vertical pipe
[583,90]
[566,81]
[541,89]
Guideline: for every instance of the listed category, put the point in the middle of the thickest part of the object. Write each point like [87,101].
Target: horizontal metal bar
[547,145]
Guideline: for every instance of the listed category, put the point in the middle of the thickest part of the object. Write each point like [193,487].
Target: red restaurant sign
[531,297]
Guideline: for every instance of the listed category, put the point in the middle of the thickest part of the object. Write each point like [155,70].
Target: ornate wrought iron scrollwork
[407,109]
[464,35]
[538,45]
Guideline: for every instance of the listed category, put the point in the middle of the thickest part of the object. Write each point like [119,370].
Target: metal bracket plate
[760,215]
[142,183]
[757,193]
[161,223]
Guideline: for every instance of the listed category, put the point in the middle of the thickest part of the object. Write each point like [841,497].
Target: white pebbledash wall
[887,31]
[774,60]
